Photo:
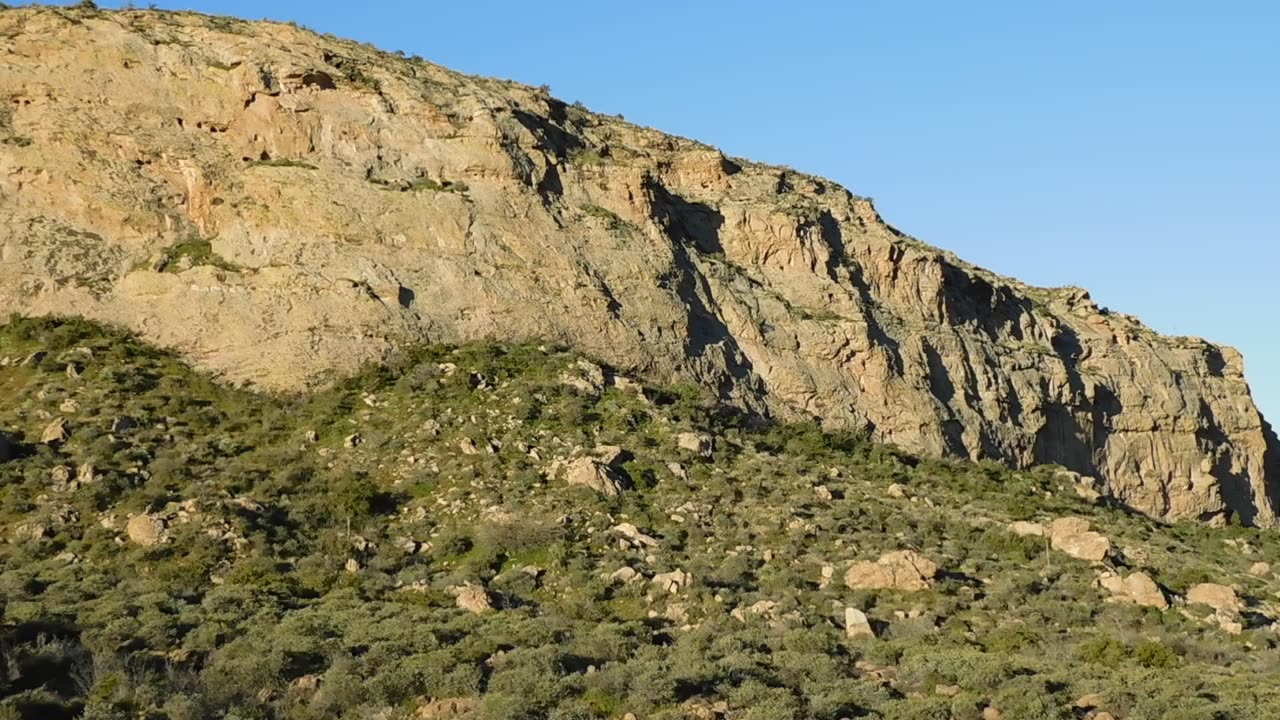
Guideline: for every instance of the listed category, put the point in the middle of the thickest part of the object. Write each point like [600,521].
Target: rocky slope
[282,207]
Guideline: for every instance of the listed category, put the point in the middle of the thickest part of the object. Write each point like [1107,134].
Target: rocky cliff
[283,207]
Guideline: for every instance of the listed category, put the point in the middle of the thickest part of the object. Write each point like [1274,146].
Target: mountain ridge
[283,207]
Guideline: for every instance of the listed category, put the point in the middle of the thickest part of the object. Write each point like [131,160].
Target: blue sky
[1131,148]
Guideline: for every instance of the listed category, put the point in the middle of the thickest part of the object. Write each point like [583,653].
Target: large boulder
[1221,598]
[145,530]
[594,474]
[897,570]
[1072,536]
[1137,588]
[55,432]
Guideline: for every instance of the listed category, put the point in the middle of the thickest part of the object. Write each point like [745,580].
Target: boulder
[634,537]
[593,474]
[1022,528]
[55,432]
[674,581]
[472,598]
[1260,569]
[856,624]
[1072,536]
[1219,597]
[1137,588]
[145,530]
[898,570]
[696,443]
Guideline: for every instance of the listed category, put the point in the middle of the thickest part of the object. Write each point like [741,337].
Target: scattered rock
[696,443]
[145,530]
[634,537]
[585,376]
[1022,528]
[898,570]
[446,709]
[593,474]
[895,491]
[311,436]
[122,423]
[674,581]
[823,493]
[624,574]
[1072,536]
[352,566]
[856,624]
[69,406]
[352,440]
[468,446]
[472,598]
[1218,597]
[86,474]
[1137,588]
[1260,569]
[55,432]
[1090,701]
[73,371]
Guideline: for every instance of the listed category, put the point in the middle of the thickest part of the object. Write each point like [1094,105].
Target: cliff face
[283,207]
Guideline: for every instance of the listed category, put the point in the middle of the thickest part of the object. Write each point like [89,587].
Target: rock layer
[283,207]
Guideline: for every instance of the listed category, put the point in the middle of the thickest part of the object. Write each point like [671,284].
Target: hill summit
[282,207]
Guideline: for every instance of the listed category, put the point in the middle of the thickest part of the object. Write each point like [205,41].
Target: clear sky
[1132,148]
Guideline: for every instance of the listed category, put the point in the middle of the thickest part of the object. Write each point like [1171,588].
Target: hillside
[282,208]
[491,531]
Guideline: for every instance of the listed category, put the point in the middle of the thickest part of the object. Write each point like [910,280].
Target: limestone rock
[1026,529]
[55,432]
[1072,536]
[446,709]
[145,530]
[634,537]
[695,443]
[315,268]
[898,570]
[1219,597]
[856,624]
[593,474]
[624,574]
[472,598]
[674,581]
[1260,569]
[1137,588]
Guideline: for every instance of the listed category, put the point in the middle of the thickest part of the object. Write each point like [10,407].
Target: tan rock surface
[1137,588]
[897,570]
[1219,597]
[283,207]
[1072,536]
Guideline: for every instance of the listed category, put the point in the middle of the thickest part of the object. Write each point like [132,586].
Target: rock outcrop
[283,207]
[897,570]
